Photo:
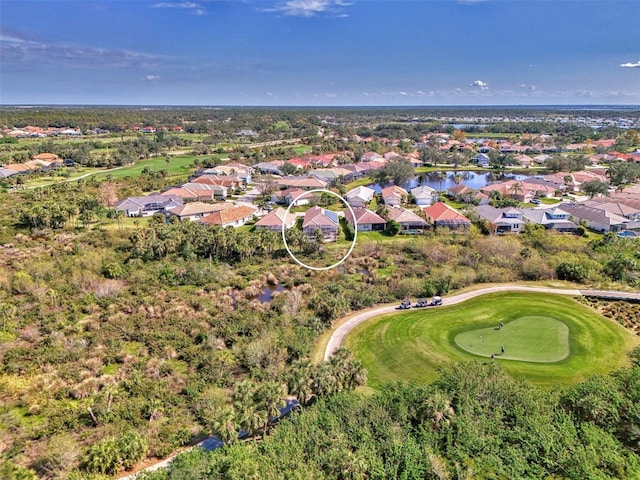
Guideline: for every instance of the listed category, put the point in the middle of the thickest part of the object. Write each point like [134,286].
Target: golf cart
[404,305]
[422,302]
[435,301]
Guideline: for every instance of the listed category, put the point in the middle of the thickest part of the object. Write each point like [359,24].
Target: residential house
[197,191]
[326,221]
[232,217]
[371,157]
[442,215]
[394,195]
[148,205]
[391,155]
[305,183]
[524,161]
[461,193]
[329,175]
[622,209]
[365,219]
[219,191]
[295,196]
[408,220]
[196,210]
[501,220]
[232,169]
[596,219]
[553,218]
[246,132]
[424,195]
[275,219]
[482,159]
[47,157]
[231,183]
[299,163]
[356,170]
[360,196]
[272,168]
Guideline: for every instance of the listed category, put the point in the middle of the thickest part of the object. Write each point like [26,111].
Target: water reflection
[443,180]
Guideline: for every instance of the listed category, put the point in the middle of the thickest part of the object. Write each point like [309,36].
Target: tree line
[473,422]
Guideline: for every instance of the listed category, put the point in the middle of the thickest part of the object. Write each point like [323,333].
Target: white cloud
[630,65]
[22,50]
[480,84]
[193,7]
[531,88]
[152,78]
[310,8]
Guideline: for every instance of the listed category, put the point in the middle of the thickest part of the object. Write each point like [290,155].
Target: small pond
[447,179]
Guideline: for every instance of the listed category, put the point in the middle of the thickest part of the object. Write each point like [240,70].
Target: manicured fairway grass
[176,166]
[539,331]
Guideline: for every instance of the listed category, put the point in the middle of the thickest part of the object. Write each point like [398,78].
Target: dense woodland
[474,422]
[121,340]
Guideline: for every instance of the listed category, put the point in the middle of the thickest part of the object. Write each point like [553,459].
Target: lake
[473,180]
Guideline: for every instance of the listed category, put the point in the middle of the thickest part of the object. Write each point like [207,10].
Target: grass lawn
[176,166]
[539,331]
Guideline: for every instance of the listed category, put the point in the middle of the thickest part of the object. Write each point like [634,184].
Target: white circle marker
[355,230]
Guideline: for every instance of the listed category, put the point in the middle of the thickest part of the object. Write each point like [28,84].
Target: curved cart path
[338,336]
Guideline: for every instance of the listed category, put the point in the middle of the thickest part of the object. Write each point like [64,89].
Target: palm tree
[516,188]
[224,425]
[270,398]
[300,382]
[438,410]
[251,420]
[324,381]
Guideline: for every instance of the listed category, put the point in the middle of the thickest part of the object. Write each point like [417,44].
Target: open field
[411,346]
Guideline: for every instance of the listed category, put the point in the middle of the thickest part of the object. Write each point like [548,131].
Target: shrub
[573,272]
[112,454]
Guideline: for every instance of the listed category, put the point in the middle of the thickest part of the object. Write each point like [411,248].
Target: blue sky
[320,52]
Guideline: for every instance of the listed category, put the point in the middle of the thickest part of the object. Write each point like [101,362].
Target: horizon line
[188,105]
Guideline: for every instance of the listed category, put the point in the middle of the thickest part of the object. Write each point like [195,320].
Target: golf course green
[547,339]
[532,339]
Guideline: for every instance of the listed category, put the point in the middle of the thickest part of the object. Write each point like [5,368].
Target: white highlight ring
[355,230]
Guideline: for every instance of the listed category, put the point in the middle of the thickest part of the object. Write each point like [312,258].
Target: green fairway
[530,339]
[176,166]
[548,339]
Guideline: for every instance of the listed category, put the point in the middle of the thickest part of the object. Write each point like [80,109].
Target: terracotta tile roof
[195,208]
[363,216]
[225,217]
[276,218]
[319,216]
[402,215]
[394,190]
[439,212]
[47,157]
